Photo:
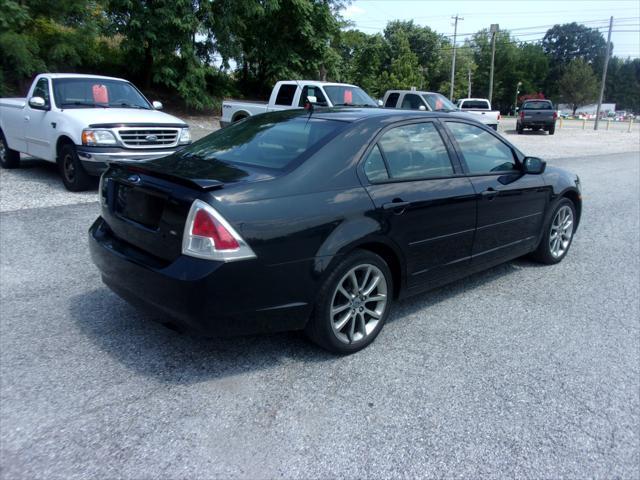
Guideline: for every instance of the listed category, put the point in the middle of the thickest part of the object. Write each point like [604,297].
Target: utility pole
[515,103]
[494,32]
[453,59]
[469,84]
[604,74]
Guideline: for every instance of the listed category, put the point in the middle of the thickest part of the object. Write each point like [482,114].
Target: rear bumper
[208,297]
[95,159]
[537,123]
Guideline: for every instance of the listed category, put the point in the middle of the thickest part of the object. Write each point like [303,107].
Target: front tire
[8,158]
[353,304]
[558,234]
[74,176]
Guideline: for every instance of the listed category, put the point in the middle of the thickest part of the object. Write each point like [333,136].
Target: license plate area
[140,205]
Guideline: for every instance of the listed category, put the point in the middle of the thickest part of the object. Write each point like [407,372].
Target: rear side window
[538,106]
[412,102]
[482,152]
[374,166]
[286,94]
[415,151]
[272,140]
[392,100]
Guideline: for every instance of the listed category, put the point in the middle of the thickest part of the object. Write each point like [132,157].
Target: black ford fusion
[321,220]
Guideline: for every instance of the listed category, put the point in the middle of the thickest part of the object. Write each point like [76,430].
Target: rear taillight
[521,114]
[555,115]
[208,235]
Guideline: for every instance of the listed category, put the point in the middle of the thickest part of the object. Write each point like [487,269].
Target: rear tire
[74,176]
[519,129]
[8,158]
[348,316]
[552,130]
[559,228]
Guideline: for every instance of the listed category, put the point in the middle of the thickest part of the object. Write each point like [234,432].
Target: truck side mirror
[38,103]
[157,105]
[380,104]
[422,108]
[312,99]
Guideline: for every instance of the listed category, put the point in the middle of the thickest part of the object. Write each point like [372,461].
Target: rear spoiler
[204,184]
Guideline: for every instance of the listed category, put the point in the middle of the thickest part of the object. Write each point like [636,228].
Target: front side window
[312,91]
[286,94]
[415,151]
[42,90]
[482,152]
[412,102]
[392,100]
[97,93]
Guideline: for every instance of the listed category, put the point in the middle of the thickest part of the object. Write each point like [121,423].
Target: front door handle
[27,118]
[490,193]
[398,206]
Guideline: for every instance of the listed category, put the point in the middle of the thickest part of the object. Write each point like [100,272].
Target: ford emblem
[134,178]
[151,138]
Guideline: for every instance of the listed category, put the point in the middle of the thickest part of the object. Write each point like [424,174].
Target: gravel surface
[520,371]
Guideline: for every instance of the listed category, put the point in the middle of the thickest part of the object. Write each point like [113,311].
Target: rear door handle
[398,206]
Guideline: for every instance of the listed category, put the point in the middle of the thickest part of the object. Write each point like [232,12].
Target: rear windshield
[538,106]
[276,140]
[480,104]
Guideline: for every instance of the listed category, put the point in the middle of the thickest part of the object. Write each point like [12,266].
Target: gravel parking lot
[520,371]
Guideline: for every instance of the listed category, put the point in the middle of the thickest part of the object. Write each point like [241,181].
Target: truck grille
[149,137]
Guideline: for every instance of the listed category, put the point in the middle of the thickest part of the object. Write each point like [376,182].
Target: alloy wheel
[358,303]
[561,232]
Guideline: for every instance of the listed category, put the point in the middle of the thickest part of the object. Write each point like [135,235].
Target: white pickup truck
[290,94]
[83,121]
[482,108]
[427,102]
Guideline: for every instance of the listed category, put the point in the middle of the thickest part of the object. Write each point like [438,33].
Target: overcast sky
[527,20]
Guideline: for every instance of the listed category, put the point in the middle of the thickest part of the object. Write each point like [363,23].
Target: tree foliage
[578,85]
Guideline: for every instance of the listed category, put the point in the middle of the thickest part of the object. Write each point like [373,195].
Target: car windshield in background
[438,103]
[274,141]
[538,106]
[341,95]
[471,104]
[96,93]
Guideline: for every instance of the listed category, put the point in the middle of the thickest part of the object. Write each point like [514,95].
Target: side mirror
[312,99]
[157,105]
[37,103]
[533,165]
[422,108]
[380,104]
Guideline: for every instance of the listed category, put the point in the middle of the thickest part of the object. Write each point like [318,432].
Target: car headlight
[185,135]
[98,137]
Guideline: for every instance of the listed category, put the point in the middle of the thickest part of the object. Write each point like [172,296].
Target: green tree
[578,85]
[623,84]
[404,72]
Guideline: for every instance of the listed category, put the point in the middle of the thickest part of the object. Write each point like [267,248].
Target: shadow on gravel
[541,133]
[150,349]
[41,171]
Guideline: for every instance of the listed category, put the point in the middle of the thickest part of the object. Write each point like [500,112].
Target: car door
[426,204]
[37,122]
[511,204]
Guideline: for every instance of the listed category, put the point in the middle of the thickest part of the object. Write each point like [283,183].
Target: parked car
[321,220]
[291,94]
[481,107]
[426,102]
[82,121]
[537,115]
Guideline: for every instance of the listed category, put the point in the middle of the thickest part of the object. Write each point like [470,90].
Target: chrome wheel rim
[561,232]
[358,303]
[69,168]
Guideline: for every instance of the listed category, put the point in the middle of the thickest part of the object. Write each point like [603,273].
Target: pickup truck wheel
[73,174]
[8,158]
[552,130]
[519,129]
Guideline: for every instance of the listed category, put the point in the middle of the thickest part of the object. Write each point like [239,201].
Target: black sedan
[320,220]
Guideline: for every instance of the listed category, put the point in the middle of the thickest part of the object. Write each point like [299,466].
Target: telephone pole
[494,32]
[453,59]
[604,75]
[469,83]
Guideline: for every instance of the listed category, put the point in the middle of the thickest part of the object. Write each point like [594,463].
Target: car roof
[318,82]
[352,114]
[80,75]
[419,92]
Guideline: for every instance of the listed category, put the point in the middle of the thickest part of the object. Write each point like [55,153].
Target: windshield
[273,140]
[344,95]
[538,105]
[438,103]
[97,93]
